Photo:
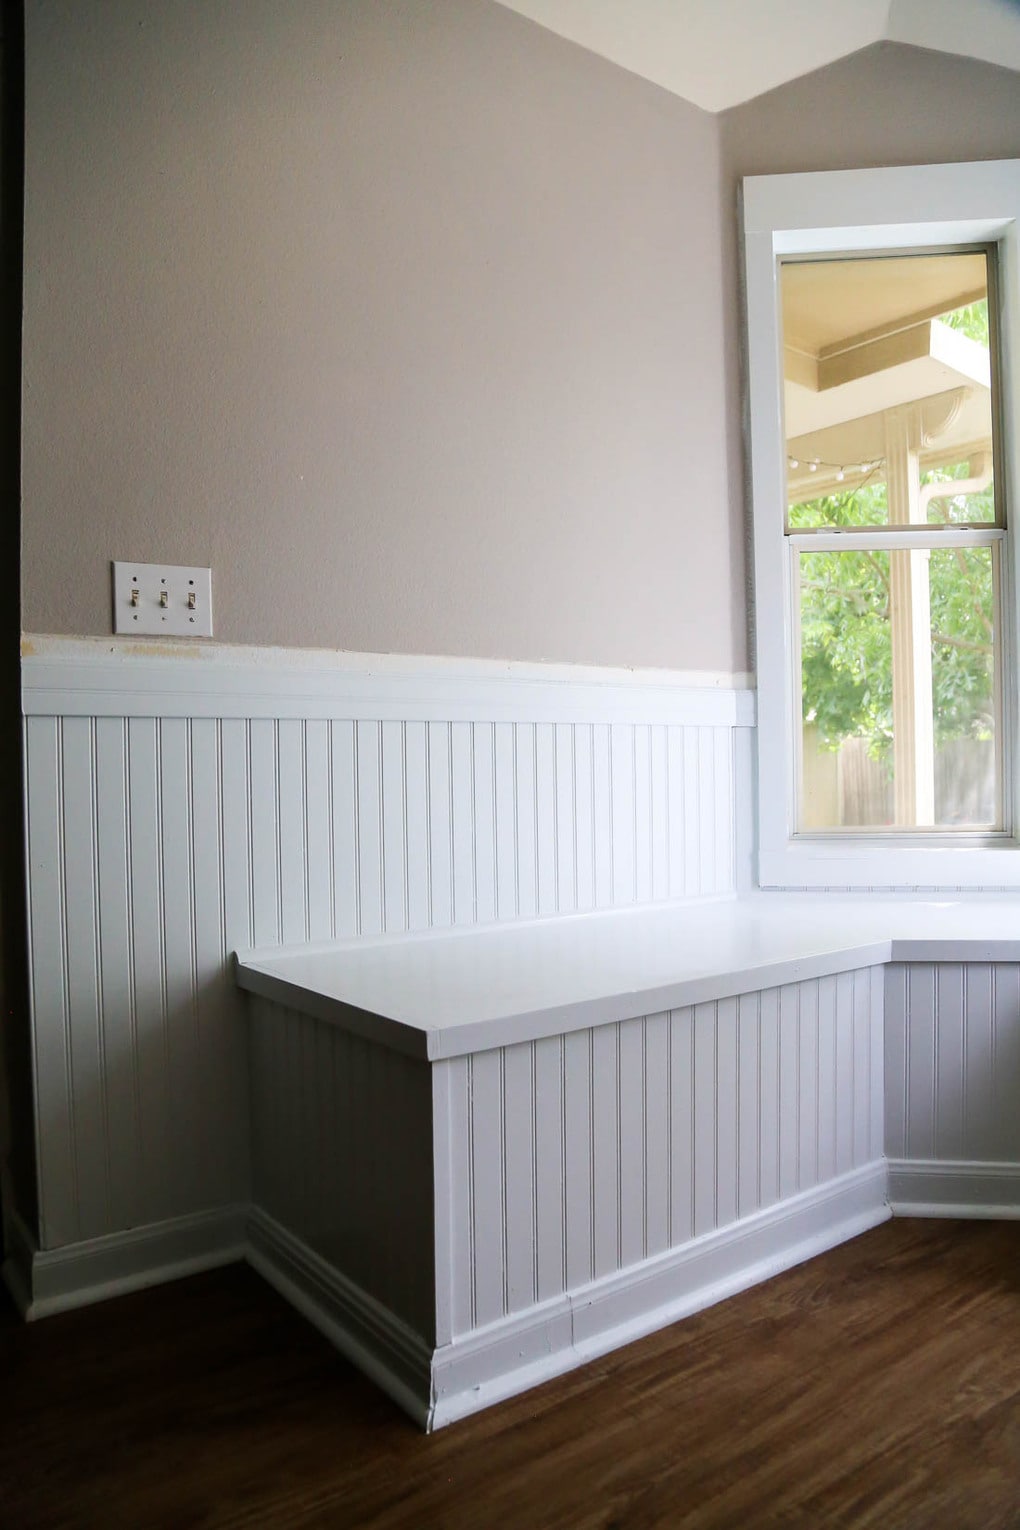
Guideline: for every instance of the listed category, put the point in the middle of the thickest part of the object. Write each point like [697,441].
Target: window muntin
[889,429]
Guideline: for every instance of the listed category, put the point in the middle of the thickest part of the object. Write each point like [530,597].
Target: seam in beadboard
[563,1161]
[170,1112]
[249,825]
[305,834]
[405,821]
[965,995]
[472,1262]
[97,904]
[380,789]
[936,1053]
[618,1050]
[669,1129]
[358,911]
[133,1210]
[592,1152]
[644,1135]
[189,805]
[576,891]
[278,823]
[330,840]
[533,1068]
[503,1208]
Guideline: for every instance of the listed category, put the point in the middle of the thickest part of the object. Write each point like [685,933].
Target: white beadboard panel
[525,1349]
[134,907]
[342,1157]
[574,1158]
[187,821]
[952,1062]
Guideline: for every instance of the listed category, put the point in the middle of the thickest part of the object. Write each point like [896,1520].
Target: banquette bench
[484,1155]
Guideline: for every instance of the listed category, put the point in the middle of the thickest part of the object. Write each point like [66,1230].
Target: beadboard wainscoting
[522,1208]
[182,803]
[952,1076]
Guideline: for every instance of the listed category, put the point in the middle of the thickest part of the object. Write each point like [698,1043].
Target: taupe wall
[406,317]
[417,323]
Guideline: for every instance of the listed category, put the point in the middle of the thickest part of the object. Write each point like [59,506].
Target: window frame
[861,212]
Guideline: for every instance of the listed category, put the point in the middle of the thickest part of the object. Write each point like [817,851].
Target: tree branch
[965,643]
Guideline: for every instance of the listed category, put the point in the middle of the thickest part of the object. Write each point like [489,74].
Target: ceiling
[831,305]
[718,53]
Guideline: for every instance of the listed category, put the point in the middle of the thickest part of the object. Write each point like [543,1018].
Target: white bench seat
[446,993]
[484,1155]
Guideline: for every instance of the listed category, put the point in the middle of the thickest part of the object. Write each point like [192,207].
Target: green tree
[846,642]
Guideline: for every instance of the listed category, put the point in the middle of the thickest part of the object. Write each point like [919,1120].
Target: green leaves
[846,645]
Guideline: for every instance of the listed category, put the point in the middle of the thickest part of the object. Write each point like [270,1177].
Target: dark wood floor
[877,1386]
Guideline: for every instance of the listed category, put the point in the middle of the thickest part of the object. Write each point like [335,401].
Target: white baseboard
[368,1334]
[55,1280]
[925,1188]
[489,1365]
[508,1357]
[497,1362]
[16,1271]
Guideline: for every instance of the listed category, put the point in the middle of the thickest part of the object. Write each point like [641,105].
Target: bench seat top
[445,993]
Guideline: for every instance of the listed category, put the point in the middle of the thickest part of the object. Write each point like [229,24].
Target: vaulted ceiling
[718,53]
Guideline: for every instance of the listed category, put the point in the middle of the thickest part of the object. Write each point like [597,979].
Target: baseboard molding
[520,1352]
[925,1188]
[368,1334]
[16,1270]
[491,1364]
[55,1280]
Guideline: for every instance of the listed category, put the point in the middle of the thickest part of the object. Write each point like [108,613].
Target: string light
[839,470]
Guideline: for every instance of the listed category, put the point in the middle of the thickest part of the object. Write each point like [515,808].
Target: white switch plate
[139,592]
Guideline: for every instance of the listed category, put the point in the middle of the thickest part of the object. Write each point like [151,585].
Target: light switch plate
[157,598]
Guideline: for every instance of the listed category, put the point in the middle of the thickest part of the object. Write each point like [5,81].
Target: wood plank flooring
[877,1386]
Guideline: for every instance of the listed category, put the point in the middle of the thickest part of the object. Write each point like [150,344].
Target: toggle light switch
[157,599]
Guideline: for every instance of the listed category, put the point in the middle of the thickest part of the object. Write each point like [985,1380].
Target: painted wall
[407,318]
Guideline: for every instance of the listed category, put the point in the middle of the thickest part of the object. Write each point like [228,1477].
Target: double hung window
[882,323]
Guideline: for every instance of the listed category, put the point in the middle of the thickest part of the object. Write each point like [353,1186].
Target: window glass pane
[899,688]
[887,387]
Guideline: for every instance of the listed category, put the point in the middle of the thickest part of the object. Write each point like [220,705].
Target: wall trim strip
[16,1270]
[925,1188]
[526,1349]
[98,1268]
[520,1351]
[362,1329]
[86,677]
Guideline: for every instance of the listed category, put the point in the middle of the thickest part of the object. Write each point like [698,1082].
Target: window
[882,321]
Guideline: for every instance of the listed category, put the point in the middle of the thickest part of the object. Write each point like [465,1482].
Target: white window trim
[856,211]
